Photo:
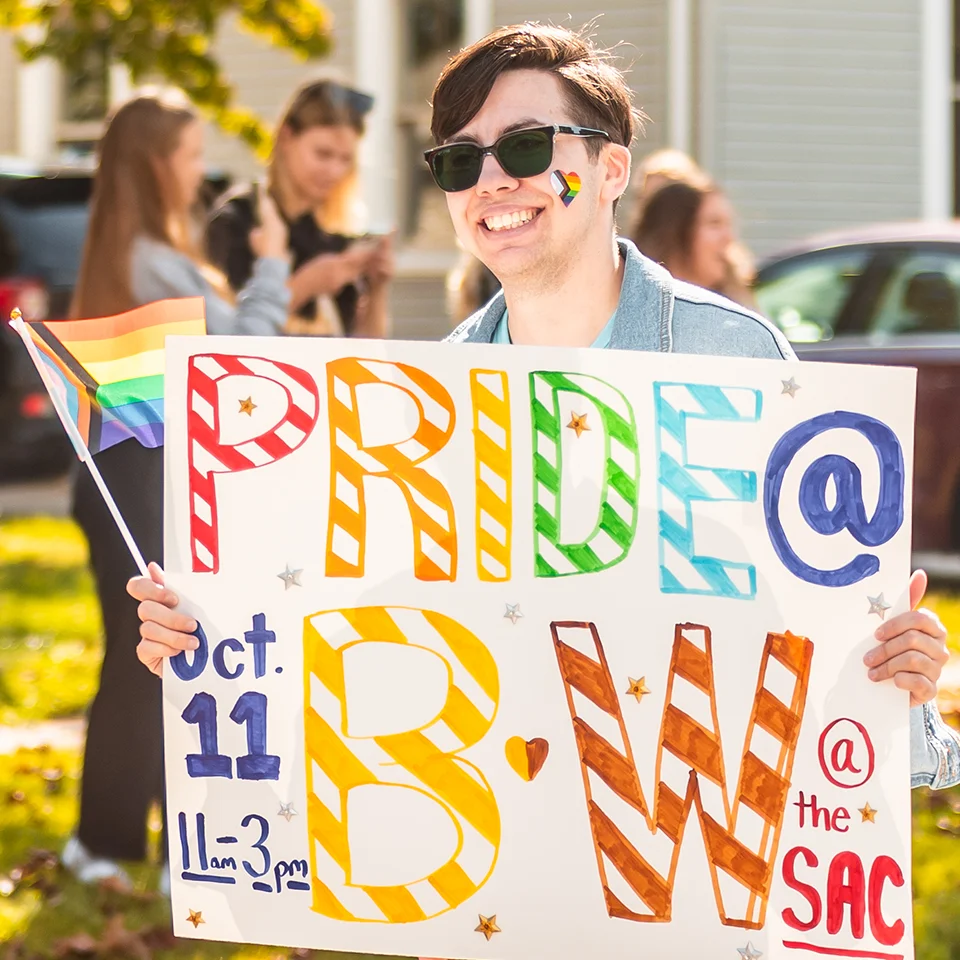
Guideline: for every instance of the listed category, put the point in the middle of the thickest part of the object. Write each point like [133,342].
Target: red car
[888,294]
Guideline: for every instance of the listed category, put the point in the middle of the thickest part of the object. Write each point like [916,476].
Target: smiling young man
[533,126]
[543,99]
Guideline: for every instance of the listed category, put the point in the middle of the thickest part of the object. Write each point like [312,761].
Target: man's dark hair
[595,90]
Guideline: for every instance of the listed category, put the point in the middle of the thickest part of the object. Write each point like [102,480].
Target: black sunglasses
[524,153]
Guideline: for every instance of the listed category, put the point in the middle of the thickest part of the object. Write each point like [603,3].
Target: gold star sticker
[578,422]
[637,688]
[248,406]
[196,918]
[487,926]
[868,813]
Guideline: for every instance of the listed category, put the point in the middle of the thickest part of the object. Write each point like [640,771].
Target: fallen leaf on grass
[116,940]
[39,872]
[80,944]
[159,937]
[118,887]
[16,949]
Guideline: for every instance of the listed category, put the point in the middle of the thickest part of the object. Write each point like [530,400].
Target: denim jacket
[658,313]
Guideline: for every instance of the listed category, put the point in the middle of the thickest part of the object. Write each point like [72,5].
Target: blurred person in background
[661,167]
[141,246]
[689,228]
[470,284]
[340,284]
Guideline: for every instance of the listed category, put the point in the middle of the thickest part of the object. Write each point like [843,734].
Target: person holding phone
[340,283]
[140,247]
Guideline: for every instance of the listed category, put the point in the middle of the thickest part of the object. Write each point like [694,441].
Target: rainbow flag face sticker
[567,185]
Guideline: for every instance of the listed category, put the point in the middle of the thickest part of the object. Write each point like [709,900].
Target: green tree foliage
[169,40]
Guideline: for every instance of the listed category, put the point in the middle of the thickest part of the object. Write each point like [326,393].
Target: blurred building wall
[265,77]
[813,114]
[8,95]
[810,112]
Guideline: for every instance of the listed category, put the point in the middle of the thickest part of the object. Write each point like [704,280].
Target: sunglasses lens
[456,167]
[526,153]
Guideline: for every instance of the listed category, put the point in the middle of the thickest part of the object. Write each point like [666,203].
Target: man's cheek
[457,209]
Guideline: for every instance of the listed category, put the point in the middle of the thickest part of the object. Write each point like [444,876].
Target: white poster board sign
[520,653]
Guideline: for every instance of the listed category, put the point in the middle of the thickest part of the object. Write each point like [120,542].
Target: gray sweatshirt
[158,272]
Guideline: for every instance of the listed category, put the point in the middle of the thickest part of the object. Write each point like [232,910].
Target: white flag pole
[57,399]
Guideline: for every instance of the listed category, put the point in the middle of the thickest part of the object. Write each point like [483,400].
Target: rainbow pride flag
[108,372]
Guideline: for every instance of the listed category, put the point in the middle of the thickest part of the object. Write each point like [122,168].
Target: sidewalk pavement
[49,497]
[59,734]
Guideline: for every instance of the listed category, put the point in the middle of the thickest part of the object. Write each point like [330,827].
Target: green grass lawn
[50,651]
[49,621]
[49,660]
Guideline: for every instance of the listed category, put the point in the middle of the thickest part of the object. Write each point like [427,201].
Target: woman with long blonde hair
[141,246]
[340,282]
[709,205]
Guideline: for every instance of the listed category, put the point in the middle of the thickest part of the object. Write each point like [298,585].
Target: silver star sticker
[749,952]
[790,387]
[878,606]
[286,811]
[290,578]
[513,613]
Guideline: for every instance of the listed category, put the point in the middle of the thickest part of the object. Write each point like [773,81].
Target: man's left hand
[912,648]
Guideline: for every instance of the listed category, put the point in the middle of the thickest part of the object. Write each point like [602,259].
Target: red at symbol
[846,755]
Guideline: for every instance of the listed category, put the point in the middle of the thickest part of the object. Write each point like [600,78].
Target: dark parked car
[889,295]
[43,222]
[43,219]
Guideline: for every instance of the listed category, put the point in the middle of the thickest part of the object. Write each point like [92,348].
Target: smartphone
[258,188]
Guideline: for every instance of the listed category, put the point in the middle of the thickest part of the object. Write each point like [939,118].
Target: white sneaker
[90,869]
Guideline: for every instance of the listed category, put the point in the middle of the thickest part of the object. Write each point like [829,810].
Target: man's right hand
[163,631]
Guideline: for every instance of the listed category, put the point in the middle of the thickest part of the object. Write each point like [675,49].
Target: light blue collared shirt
[502,333]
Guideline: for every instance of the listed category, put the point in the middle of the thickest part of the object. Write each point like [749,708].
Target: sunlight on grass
[947,607]
[50,540]
[49,621]
[50,640]
[38,810]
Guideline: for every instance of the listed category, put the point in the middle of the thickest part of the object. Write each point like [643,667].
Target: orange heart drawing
[526,757]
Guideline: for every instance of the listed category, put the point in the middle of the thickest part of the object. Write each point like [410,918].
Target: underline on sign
[206,878]
[837,952]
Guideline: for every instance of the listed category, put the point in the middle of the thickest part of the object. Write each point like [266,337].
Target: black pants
[123,761]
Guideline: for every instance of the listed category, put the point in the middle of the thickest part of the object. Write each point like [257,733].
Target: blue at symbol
[848,512]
